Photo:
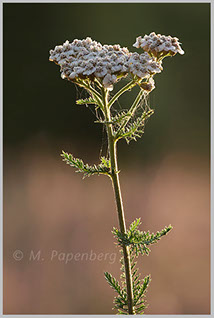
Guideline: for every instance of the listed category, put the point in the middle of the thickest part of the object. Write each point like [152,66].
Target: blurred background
[164,176]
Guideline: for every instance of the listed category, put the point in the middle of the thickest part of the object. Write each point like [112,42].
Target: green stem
[130,113]
[118,198]
[121,91]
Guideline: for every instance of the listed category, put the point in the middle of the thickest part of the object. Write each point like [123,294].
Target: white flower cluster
[143,65]
[108,63]
[159,45]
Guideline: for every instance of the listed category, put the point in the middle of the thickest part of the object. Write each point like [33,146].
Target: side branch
[130,113]
[121,91]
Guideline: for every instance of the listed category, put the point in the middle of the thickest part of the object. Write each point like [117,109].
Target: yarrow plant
[98,68]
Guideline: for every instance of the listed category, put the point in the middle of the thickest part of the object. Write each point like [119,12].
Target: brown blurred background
[164,176]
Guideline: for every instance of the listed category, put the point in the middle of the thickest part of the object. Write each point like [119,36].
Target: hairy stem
[118,198]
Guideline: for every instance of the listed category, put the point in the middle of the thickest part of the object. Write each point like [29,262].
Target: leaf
[142,289]
[133,130]
[139,240]
[115,285]
[89,100]
[134,225]
[119,118]
[120,301]
[102,168]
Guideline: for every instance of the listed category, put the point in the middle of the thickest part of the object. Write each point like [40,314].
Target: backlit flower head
[158,45]
[143,65]
[90,59]
[86,58]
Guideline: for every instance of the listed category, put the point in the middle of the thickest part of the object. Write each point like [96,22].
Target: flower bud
[148,86]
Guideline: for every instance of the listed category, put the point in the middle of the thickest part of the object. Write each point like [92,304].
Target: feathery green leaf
[102,168]
[86,101]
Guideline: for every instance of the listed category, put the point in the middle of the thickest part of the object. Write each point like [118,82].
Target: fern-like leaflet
[87,170]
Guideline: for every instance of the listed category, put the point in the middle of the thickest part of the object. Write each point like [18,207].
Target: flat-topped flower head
[88,59]
[158,45]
